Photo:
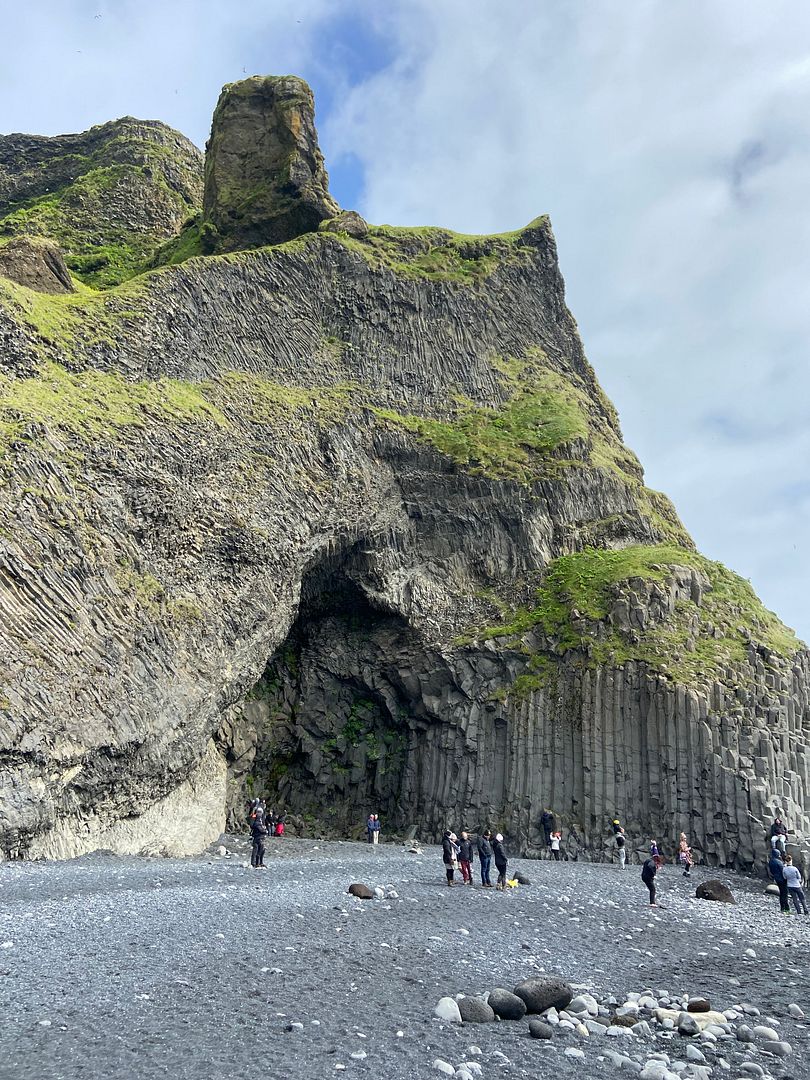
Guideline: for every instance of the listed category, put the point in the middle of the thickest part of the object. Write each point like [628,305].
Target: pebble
[796,1012]
[777,1048]
[574,1052]
[765,1034]
[750,1068]
[693,1054]
[444,1067]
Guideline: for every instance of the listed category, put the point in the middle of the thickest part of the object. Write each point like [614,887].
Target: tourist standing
[793,878]
[450,855]
[485,857]
[621,841]
[777,873]
[465,858]
[547,822]
[258,832]
[499,854]
[685,855]
[648,872]
[280,823]
[375,829]
[555,846]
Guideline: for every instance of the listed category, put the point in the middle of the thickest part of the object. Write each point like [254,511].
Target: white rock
[379,893]
[359,1055]
[654,1070]
[463,1074]
[444,1067]
[750,1068]
[462,930]
[574,1052]
[693,1054]
[447,1009]
[796,1012]
[778,1049]
[473,1067]
[751,953]
[765,1034]
[474,1051]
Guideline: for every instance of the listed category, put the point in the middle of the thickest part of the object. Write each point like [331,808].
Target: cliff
[348,521]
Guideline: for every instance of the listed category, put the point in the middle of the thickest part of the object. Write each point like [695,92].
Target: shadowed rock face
[348,522]
[265,181]
[37,264]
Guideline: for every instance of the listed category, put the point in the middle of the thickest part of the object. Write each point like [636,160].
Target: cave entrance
[332,716]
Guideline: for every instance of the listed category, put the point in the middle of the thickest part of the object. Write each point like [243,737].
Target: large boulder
[265,181]
[544,993]
[714,890]
[506,1005]
[361,891]
[36,263]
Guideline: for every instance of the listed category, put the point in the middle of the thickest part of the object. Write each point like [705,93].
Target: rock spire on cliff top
[265,181]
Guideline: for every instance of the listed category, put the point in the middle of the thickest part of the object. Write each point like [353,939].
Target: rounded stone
[539,1029]
[698,1005]
[361,891]
[714,890]
[474,1010]
[447,1009]
[506,1005]
[540,994]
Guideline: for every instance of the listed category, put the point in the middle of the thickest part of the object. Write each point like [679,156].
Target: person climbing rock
[547,822]
[685,855]
[793,879]
[485,857]
[648,872]
[776,870]
[779,835]
[450,855]
[465,858]
[258,832]
[621,849]
[499,854]
[555,846]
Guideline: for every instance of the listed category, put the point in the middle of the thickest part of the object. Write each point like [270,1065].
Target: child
[465,858]
[620,842]
[655,854]
[793,880]
[555,845]
[685,855]
[500,861]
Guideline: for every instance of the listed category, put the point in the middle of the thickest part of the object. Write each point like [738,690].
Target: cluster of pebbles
[738,1039]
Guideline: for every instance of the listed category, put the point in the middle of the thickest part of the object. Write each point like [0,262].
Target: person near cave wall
[258,832]
[499,853]
[547,823]
[465,858]
[450,855]
[485,857]
[648,872]
[776,871]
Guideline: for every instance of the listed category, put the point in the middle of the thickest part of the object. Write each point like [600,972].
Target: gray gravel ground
[130,967]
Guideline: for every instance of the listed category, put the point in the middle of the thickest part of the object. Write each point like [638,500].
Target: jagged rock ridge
[349,521]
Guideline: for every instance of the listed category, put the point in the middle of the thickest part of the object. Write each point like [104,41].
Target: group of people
[786,876]
[458,853]
[263,823]
[373,828]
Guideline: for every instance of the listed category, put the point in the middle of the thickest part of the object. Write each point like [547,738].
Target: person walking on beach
[648,872]
[793,879]
[555,846]
[621,841]
[499,854]
[776,869]
[450,855]
[485,857]
[258,832]
[685,855]
[465,858]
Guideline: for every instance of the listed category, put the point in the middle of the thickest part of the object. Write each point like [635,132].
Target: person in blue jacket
[775,868]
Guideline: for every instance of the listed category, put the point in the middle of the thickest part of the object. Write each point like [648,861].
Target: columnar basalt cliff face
[349,522]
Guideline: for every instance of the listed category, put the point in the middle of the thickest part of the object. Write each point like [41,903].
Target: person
[655,854]
[485,857]
[280,822]
[258,832]
[547,821]
[499,854]
[465,858]
[375,829]
[621,840]
[370,828]
[648,872]
[685,855]
[617,826]
[793,879]
[778,834]
[555,845]
[450,855]
[776,869]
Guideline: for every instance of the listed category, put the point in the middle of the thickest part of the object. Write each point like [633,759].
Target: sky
[669,143]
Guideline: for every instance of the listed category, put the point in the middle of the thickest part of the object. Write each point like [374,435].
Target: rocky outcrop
[265,180]
[109,196]
[349,521]
[37,264]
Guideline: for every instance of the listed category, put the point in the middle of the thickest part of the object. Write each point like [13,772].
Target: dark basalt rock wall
[277,521]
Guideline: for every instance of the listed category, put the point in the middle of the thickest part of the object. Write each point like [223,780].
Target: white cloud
[669,143]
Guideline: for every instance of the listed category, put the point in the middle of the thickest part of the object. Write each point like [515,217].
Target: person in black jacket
[450,855]
[465,858]
[485,857]
[648,872]
[547,821]
[258,832]
[500,861]
[775,866]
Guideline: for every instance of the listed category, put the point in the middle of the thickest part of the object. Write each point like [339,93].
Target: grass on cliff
[95,404]
[578,591]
